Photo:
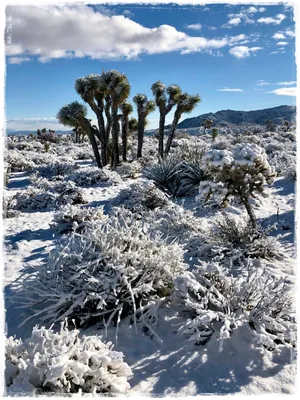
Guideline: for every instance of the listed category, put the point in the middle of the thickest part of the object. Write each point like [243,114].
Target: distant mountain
[231,118]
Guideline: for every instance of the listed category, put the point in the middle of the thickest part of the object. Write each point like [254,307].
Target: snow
[162,360]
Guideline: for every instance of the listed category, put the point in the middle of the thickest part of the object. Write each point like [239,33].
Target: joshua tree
[165,99]
[115,85]
[127,109]
[287,126]
[185,104]
[270,125]
[207,124]
[214,134]
[144,107]
[89,89]
[74,115]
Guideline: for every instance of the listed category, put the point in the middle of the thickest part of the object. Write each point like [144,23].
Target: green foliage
[47,147]
[214,134]
[71,114]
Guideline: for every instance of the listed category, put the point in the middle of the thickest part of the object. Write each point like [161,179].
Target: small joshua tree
[207,124]
[74,115]
[239,173]
[144,107]
[214,134]
[270,125]
[185,104]
[165,99]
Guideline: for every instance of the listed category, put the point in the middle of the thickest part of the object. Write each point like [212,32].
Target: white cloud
[278,36]
[290,33]
[229,90]
[274,52]
[80,31]
[18,60]
[128,14]
[251,10]
[234,21]
[32,124]
[243,51]
[261,9]
[262,82]
[212,28]
[269,20]
[285,91]
[282,43]
[195,27]
[288,83]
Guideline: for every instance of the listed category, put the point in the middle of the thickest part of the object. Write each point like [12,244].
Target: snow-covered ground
[164,363]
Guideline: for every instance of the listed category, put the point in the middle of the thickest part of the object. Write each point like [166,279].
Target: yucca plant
[165,101]
[115,85]
[88,87]
[185,104]
[74,115]
[144,107]
[126,109]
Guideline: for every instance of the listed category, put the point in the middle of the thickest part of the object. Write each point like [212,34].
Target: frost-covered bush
[60,168]
[7,211]
[239,173]
[107,272]
[92,175]
[54,186]
[218,304]
[234,239]
[73,218]
[18,161]
[129,170]
[72,196]
[63,362]
[32,199]
[140,196]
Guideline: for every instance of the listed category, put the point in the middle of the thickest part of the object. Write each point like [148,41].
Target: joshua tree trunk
[108,117]
[161,129]
[125,130]
[91,135]
[173,130]
[115,159]
[250,212]
[141,129]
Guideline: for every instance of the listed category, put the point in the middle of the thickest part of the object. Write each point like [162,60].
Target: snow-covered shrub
[129,170]
[7,211]
[220,303]
[31,199]
[93,175]
[73,218]
[54,186]
[240,173]
[63,362]
[60,168]
[107,272]
[234,239]
[72,196]
[18,161]
[140,196]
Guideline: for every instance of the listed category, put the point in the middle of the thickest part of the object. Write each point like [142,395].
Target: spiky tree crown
[126,108]
[143,104]
[133,124]
[115,84]
[87,86]
[186,103]
[70,114]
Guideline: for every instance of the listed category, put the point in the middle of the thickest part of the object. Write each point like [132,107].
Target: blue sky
[239,57]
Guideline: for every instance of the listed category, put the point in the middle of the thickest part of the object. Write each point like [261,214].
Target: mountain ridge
[229,118]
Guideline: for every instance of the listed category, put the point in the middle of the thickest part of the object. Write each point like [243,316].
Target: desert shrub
[129,170]
[71,196]
[7,211]
[92,175]
[220,303]
[108,272]
[32,199]
[17,161]
[63,362]
[234,239]
[60,168]
[240,173]
[73,218]
[54,186]
[141,196]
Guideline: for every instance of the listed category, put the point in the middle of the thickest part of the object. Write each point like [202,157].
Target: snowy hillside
[193,297]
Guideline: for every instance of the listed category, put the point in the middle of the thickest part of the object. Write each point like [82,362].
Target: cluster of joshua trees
[107,95]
